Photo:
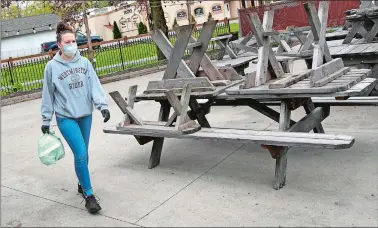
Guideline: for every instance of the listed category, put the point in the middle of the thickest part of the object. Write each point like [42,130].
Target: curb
[118,76]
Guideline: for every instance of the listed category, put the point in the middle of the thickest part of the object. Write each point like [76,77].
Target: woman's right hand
[45,129]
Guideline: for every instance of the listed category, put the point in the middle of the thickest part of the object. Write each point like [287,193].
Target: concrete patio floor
[198,183]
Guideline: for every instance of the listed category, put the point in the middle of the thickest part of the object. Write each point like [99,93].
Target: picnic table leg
[308,63]
[157,145]
[309,107]
[281,160]
[202,120]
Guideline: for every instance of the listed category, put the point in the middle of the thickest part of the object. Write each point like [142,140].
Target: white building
[24,36]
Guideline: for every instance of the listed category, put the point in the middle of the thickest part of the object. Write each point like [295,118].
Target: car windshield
[80,35]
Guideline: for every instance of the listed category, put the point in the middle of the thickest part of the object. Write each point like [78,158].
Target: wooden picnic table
[184,84]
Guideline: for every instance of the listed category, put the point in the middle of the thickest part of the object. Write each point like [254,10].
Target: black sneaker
[79,189]
[91,204]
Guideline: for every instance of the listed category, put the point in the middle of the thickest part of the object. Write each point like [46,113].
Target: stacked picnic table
[185,83]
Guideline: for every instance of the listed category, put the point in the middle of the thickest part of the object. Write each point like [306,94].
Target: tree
[193,20]
[75,12]
[174,23]
[158,22]
[142,28]
[116,33]
[210,17]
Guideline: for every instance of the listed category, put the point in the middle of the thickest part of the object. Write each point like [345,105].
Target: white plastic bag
[50,148]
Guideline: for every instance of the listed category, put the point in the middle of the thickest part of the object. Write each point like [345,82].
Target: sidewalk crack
[40,197]
[189,183]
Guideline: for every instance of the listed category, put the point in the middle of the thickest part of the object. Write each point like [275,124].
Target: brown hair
[63,28]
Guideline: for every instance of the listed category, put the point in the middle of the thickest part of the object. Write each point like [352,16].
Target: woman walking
[70,89]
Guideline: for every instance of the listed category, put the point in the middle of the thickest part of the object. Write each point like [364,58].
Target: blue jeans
[76,132]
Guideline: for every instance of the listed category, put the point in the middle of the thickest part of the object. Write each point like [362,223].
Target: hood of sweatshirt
[58,58]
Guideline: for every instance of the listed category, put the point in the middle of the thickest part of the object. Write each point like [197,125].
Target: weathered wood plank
[244,48]
[288,139]
[243,42]
[157,145]
[344,84]
[281,160]
[361,48]
[315,23]
[300,36]
[258,29]
[200,116]
[329,78]
[266,111]
[373,31]
[221,37]
[171,120]
[207,66]
[308,43]
[317,127]
[355,90]
[250,80]
[335,49]
[224,47]
[174,101]
[290,80]
[194,44]
[179,83]
[198,53]
[196,95]
[121,103]
[221,82]
[263,42]
[373,48]
[325,70]
[229,73]
[178,51]
[179,90]
[320,46]
[347,49]
[131,100]
[295,90]
[353,31]
[185,97]
[166,47]
[285,46]
[270,33]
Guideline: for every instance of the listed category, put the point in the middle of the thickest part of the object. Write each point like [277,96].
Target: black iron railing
[26,75]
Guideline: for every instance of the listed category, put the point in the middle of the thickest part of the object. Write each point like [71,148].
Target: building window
[216,9]
[199,12]
[180,15]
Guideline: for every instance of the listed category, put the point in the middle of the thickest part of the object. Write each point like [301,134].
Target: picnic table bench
[183,84]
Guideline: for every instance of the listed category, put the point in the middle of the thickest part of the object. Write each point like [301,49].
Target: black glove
[45,129]
[106,115]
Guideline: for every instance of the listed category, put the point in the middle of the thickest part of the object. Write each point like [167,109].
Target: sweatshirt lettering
[77,70]
[76,85]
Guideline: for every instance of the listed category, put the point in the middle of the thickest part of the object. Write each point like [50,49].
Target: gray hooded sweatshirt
[70,89]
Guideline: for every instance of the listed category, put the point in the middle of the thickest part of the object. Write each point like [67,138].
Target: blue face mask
[70,49]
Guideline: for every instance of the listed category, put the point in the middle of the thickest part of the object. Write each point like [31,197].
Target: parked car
[81,39]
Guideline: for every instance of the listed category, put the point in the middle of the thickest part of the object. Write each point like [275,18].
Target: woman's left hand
[106,115]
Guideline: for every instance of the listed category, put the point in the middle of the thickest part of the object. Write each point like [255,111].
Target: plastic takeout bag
[50,148]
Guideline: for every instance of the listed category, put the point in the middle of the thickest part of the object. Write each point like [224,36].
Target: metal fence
[27,74]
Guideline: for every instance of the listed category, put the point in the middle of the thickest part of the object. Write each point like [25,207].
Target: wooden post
[130,102]
[157,145]
[90,48]
[321,42]
[266,57]
[281,160]
[309,107]
[318,29]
